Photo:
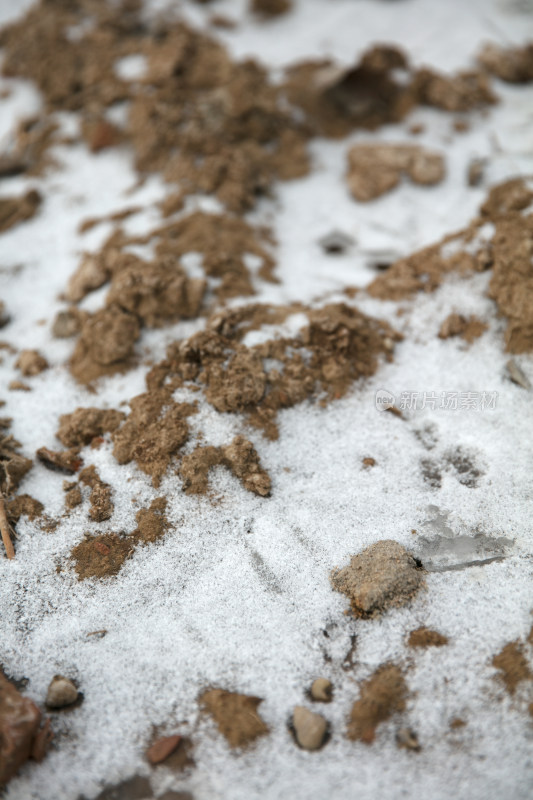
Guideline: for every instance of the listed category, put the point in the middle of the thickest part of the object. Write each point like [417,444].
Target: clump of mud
[102,506]
[381,577]
[375,169]
[381,696]
[513,666]
[235,715]
[85,424]
[510,64]
[103,556]
[14,210]
[381,88]
[153,433]
[270,8]
[468,328]
[13,466]
[21,735]
[106,344]
[240,457]
[425,637]
[501,238]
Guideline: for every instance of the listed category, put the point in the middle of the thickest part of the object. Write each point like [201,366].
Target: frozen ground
[237,595]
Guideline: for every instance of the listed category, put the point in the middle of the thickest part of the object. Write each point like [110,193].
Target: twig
[5,529]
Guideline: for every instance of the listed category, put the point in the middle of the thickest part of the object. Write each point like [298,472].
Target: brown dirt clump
[235,715]
[510,64]
[511,284]
[160,291]
[101,504]
[381,88]
[425,637]
[31,362]
[20,735]
[153,433]
[375,169]
[240,457]
[67,323]
[156,293]
[106,344]
[339,345]
[507,251]
[101,556]
[14,210]
[513,666]
[29,153]
[67,461]
[381,577]
[85,424]
[468,328]
[461,92]
[381,696]
[337,100]
[270,8]
[13,466]
[24,505]
[73,495]
[152,523]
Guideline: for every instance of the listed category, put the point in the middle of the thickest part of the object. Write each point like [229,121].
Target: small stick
[4,529]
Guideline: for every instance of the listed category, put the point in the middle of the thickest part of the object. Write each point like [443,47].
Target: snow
[237,595]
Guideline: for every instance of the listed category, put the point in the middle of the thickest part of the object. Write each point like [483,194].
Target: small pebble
[162,749]
[309,727]
[517,375]
[322,690]
[408,739]
[61,692]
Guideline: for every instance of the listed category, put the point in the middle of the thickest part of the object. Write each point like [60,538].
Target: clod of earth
[106,344]
[381,696]
[13,466]
[103,556]
[270,8]
[102,506]
[310,728]
[85,424]
[235,715]
[31,362]
[20,737]
[510,64]
[513,666]
[425,637]
[67,461]
[375,169]
[240,457]
[381,577]
[14,210]
[501,239]
[468,328]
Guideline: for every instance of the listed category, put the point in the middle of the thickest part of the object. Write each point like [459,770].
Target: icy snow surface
[237,595]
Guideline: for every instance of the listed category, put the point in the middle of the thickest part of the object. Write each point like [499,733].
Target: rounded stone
[61,692]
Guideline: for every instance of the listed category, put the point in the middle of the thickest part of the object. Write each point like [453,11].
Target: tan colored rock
[310,728]
[61,692]
[322,690]
[31,362]
[375,169]
[382,576]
